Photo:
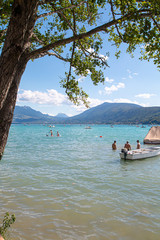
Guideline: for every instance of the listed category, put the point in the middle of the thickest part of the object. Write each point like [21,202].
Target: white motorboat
[139,153]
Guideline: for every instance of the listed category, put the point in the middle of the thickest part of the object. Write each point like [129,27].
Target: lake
[76,187]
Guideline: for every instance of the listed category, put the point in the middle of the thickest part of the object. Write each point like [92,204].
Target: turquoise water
[75,187]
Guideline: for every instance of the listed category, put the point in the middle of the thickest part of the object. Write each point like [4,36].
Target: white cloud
[131,74]
[88,71]
[93,102]
[109,80]
[80,79]
[100,92]
[113,88]
[79,108]
[124,100]
[90,50]
[51,97]
[96,102]
[105,58]
[54,98]
[145,95]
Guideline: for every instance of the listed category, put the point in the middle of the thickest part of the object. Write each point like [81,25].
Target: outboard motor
[124,150]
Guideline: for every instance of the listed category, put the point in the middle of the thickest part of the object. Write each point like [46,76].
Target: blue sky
[127,80]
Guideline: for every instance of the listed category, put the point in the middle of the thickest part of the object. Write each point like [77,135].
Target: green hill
[106,113]
[26,114]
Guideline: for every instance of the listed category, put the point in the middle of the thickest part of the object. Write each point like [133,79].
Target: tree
[6,224]
[69,30]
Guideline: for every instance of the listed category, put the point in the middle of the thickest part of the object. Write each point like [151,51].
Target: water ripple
[76,187]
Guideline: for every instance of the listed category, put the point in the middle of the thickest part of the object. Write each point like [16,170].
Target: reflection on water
[76,187]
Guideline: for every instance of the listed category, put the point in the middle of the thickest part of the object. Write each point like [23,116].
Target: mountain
[61,115]
[26,114]
[119,113]
[106,113]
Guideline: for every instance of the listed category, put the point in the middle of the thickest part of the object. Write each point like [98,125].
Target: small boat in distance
[139,153]
[88,127]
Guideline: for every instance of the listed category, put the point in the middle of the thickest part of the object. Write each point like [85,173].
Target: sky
[127,80]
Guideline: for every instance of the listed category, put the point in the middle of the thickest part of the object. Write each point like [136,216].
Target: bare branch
[113,15]
[55,54]
[73,49]
[157,25]
[2,32]
[45,14]
[58,56]
[37,39]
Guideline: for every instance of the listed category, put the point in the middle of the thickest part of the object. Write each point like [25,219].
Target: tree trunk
[13,60]
[7,111]
[17,42]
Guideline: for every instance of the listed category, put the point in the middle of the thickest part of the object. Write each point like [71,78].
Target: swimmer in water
[51,133]
[114,146]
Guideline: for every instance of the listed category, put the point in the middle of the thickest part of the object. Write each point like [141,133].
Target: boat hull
[140,153]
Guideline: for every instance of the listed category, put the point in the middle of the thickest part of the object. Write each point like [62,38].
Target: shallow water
[75,187]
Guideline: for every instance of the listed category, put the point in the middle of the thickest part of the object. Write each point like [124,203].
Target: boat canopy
[153,136]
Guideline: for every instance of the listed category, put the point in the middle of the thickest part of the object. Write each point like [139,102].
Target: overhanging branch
[73,38]
[65,41]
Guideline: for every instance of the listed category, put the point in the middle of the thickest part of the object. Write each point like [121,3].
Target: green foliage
[7,222]
[5,13]
[139,26]
[74,92]
[63,29]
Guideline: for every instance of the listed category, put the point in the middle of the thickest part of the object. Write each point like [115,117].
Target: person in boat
[127,146]
[114,146]
[138,144]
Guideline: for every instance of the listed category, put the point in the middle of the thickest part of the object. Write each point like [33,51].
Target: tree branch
[113,14]
[59,10]
[65,41]
[37,39]
[73,49]
[157,25]
[2,32]
[58,56]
